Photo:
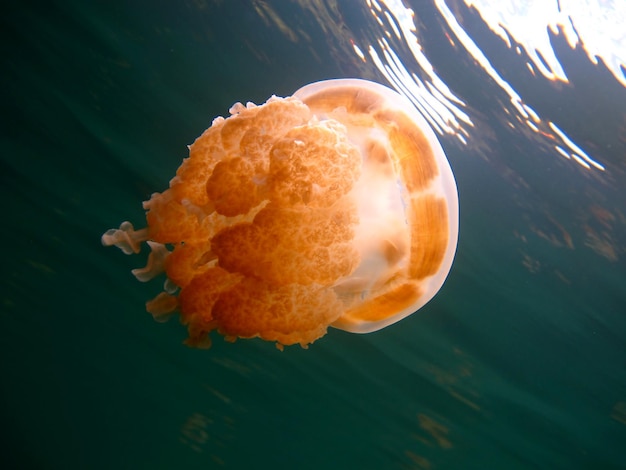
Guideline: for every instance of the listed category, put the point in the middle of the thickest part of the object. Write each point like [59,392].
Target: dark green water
[519,362]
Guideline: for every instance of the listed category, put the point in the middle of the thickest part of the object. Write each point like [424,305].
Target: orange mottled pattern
[288,314]
[261,224]
[284,245]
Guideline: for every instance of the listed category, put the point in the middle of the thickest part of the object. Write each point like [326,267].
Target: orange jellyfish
[333,207]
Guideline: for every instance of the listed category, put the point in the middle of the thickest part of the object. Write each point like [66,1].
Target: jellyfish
[332,207]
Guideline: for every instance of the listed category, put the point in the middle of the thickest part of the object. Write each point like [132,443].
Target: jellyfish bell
[407,202]
[333,207]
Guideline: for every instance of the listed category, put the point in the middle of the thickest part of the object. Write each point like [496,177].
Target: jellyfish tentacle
[126,238]
[162,306]
[155,264]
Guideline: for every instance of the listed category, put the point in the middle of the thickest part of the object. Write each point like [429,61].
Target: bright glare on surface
[596,24]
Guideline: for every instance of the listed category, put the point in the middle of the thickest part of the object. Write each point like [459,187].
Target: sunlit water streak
[527,24]
[598,25]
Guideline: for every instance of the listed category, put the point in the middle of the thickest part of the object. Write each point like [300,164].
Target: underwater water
[519,361]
